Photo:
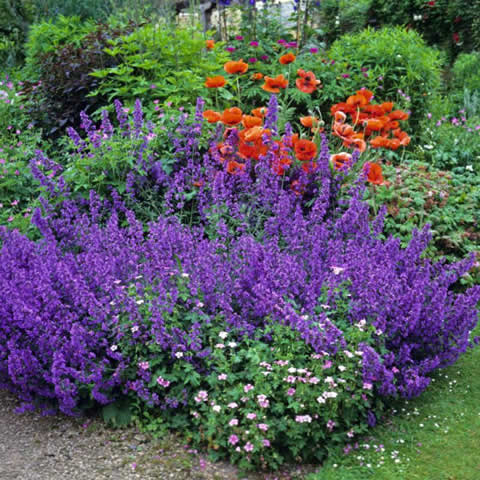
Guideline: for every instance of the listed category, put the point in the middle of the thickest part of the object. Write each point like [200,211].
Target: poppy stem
[238,93]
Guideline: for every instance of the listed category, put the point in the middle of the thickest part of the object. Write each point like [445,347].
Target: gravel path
[63,448]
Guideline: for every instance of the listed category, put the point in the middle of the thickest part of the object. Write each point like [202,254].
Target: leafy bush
[156,62]
[446,23]
[101,311]
[15,17]
[340,17]
[466,71]
[64,72]
[407,68]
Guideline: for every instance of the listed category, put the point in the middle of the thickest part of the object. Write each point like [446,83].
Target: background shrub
[405,66]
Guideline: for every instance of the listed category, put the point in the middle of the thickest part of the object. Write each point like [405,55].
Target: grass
[433,437]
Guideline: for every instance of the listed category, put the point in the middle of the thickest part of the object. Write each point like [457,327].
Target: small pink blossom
[251,416]
[291,392]
[233,422]
[266,442]
[247,388]
[262,426]
[248,447]
[233,439]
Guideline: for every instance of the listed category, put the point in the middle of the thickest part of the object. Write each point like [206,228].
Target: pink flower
[330,425]
[254,44]
[164,383]
[291,392]
[327,364]
[232,405]
[266,442]
[367,386]
[201,397]
[314,50]
[251,416]
[233,439]
[290,379]
[262,426]
[248,447]
[247,388]
[233,422]
[303,419]
[222,376]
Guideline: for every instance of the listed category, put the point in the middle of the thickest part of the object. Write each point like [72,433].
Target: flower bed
[260,312]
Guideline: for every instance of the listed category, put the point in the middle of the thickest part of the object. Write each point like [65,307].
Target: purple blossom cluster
[248,250]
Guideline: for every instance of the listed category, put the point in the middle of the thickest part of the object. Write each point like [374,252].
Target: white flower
[342,368]
[179,354]
[232,344]
[135,328]
[321,399]
[330,394]
[469,168]
[337,270]
[185,275]
[217,408]
[140,302]
[223,335]
[113,348]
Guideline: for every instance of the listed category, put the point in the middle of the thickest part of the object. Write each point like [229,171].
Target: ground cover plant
[261,268]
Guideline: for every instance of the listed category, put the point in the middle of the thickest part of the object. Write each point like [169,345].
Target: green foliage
[18,141]
[64,67]
[466,71]
[157,62]
[15,16]
[419,194]
[403,60]
[339,17]
[449,24]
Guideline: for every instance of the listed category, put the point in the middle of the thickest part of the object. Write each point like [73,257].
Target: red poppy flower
[236,67]
[215,82]
[287,58]
[259,112]
[307,82]
[231,116]
[249,121]
[257,76]
[374,173]
[305,150]
[273,85]
[340,160]
[211,116]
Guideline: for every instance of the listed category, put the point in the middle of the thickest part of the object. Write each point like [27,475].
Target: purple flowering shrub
[104,309]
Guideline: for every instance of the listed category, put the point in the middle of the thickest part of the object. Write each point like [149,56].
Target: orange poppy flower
[358,101]
[394,144]
[342,107]
[259,112]
[374,124]
[257,76]
[402,136]
[379,141]
[273,85]
[215,82]
[305,150]
[287,58]
[254,133]
[360,144]
[374,173]
[374,110]
[398,115]
[307,83]
[231,116]
[210,44]
[235,168]
[387,106]
[249,121]
[340,160]
[198,183]
[211,116]
[236,66]
[309,122]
